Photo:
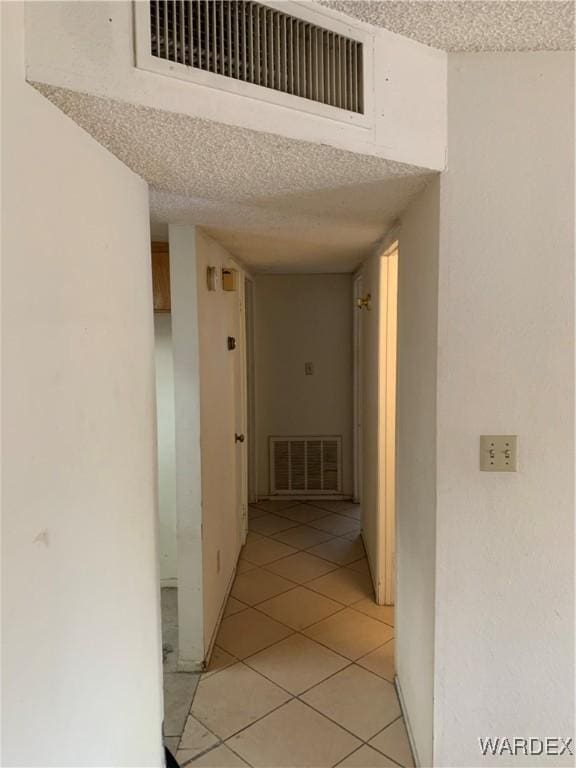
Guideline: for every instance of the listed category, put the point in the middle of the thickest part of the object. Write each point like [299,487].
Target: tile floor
[303,668]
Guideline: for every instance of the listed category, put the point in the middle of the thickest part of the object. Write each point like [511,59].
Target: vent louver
[256,44]
[300,465]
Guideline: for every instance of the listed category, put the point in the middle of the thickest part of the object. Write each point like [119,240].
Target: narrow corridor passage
[303,668]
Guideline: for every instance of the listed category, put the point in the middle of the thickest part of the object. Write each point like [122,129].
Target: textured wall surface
[298,319]
[81,648]
[472,25]
[505,542]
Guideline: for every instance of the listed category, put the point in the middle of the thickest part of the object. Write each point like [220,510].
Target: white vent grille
[256,44]
[305,465]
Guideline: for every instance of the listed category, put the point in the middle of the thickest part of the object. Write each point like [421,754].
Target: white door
[240,414]
[377,404]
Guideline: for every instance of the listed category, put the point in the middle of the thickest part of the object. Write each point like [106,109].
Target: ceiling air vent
[305,465]
[257,44]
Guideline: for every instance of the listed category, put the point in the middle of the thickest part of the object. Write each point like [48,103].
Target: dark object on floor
[170,759]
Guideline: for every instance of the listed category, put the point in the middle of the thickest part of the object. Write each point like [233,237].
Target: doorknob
[239,438]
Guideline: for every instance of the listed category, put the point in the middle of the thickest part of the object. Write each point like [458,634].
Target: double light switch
[499,453]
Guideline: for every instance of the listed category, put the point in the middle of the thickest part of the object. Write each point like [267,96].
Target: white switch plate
[499,453]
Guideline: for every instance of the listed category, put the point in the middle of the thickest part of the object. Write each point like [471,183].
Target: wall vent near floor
[305,465]
[258,44]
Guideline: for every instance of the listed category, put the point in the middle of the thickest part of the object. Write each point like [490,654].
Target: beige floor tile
[353,534]
[303,537]
[343,585]
[269,524]
[275,505]
[293,736]
[360,565]
[220,659]
[339,507]
[252,537]
[393,742]
[250,631]
[254,512]
[219,757]
[184,757]
[340,551]
[234,698]
[244,566]
[355,512]
[383,613]
[265,551]
[258,585]
[299,608]
[349,633]
[297,663]
[234,606]
[380,661]
[304,513]
[366,757]
[357,700]
[301,567]
[336,524]
[196,738]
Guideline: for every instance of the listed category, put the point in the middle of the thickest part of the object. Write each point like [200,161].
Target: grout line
[295,697]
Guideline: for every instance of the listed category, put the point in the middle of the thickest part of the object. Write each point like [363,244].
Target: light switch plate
[499,453]
[309,369]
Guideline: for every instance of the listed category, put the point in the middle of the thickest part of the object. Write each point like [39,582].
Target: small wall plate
[499,453]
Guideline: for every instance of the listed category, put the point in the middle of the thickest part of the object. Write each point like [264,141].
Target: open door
[375,296]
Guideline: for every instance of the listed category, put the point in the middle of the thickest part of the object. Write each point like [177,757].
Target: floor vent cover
[300,465]
[256,44]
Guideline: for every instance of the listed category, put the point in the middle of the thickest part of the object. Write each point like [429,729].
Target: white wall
[81,663]
[89,47]
[505,542]
[186,355]
[298,319]
[416,463]
[166,447]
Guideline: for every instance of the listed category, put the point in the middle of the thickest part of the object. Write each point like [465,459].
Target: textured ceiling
[275,203]
[473,25]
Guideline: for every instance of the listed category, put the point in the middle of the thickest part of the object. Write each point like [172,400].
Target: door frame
[388,372]
[250,378]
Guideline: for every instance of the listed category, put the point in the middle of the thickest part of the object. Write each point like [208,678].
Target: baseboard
[169,583]
[398,687]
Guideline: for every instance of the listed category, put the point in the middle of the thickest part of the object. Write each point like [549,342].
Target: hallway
[303,668]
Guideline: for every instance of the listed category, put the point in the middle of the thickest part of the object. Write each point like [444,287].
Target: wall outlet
[499,453]
[309,369]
